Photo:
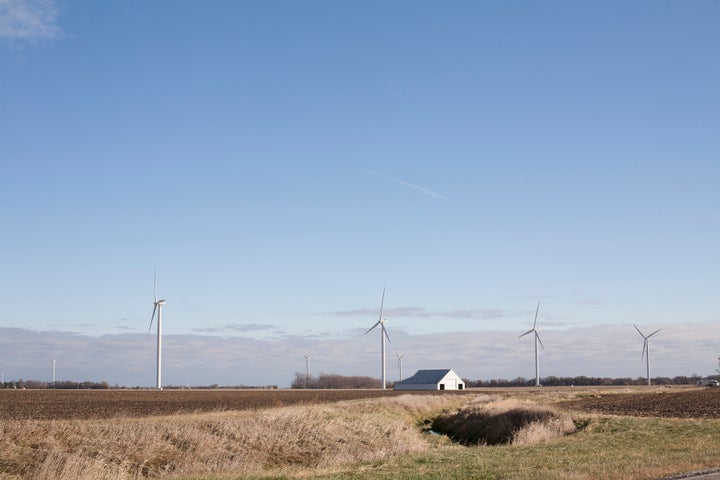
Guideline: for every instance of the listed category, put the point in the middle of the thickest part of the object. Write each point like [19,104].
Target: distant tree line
[217,386]
[38,384]
[331,380]
[581,381]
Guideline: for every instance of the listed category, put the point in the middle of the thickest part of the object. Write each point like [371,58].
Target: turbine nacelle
[382,327]
[535,328]
[645,340]
[157,304]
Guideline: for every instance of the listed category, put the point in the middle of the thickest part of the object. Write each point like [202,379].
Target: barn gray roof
[424,377]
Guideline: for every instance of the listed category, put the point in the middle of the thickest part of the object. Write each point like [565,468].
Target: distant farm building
[444,379]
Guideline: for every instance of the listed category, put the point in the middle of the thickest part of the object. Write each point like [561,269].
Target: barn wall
[452,382]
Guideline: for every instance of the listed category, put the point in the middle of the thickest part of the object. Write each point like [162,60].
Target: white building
[444,379]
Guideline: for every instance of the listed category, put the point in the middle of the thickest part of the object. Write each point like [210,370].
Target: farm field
[684,403]
[675,402]
[622,433]
[94,404]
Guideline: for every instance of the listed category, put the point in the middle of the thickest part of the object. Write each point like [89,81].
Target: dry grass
[359,439]
[491,421]
[312,436]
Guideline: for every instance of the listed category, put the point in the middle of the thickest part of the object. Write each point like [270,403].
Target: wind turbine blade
[155,284]
[641,333]
[538,337]
[529,331]
[642,356]
[536,313]
[382,302]
[653,333]
[151,319]
[371,328]
[385,333]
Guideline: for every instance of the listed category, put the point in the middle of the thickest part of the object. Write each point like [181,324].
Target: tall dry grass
[310,436]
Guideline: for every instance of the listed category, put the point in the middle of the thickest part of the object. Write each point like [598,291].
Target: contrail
[420,189]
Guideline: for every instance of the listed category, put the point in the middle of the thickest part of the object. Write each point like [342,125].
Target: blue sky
[280,163]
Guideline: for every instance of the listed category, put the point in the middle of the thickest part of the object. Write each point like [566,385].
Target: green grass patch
[608,448]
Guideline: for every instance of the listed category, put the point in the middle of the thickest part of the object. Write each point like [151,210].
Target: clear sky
[280,163]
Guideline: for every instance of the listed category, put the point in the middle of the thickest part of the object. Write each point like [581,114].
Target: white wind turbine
[534,329]
[383,336]
[646,350]
[400,357]
[157,307]
[307,367]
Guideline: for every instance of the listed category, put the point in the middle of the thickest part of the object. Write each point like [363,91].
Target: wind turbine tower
[383,336]
[646,350]
[534,330]
[307,367]
[53,372]
[400,357]
[157,307]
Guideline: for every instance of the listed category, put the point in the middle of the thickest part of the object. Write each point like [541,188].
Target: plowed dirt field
[695,403]
[70,404]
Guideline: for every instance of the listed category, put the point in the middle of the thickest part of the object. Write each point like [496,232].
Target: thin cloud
[390,312]
[237,327]
[352,313]
[590,302]
[421,312]
[29,21]
[483,314]
[404,183]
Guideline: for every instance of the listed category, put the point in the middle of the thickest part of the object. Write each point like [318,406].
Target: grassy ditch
[503,421]
[359,439]
[315,436]
[607,448]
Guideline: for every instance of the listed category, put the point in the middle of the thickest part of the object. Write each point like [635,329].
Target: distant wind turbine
[646,350]
[400,357]
[157,307]
[307,367]
[383,336]
[534,329]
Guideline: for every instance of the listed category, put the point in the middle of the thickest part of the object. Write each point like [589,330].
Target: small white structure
[444,379]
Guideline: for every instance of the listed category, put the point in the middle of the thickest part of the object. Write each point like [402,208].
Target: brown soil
[71,404]
[695,403]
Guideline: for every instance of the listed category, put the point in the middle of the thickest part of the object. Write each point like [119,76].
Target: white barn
[444,379]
